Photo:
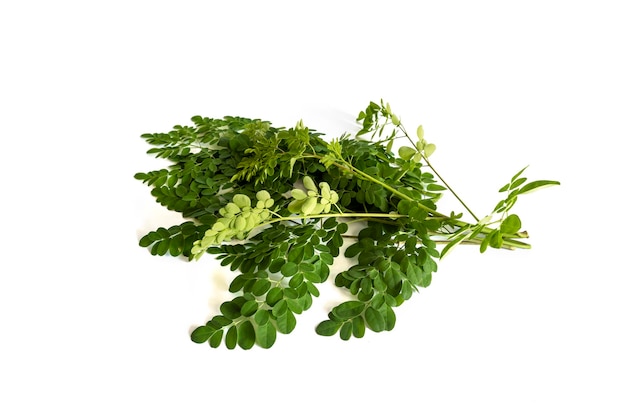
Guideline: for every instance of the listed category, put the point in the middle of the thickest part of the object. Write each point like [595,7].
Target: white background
[91,324]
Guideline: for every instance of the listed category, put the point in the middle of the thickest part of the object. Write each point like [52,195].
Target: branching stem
[401,127]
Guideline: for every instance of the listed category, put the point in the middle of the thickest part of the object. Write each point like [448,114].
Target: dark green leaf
[353,250]
[327,328]
[162,247]
[276,265]
[346,331]
[266,335]
[201,334]
[146,241]
[273,296]
[358,327]
[330,223]
[247,335]
[230,310]
[231,337]
[216,338]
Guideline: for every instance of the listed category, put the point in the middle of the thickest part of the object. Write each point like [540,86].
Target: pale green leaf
[532,186]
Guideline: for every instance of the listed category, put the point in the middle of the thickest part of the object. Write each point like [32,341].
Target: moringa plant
[276,205]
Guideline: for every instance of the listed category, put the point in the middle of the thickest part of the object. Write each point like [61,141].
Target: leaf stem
[509,244]
[450,188]
[401,127]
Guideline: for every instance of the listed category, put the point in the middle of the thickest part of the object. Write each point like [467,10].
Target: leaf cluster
[275,204]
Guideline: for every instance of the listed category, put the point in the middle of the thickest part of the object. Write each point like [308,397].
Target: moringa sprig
[274,204]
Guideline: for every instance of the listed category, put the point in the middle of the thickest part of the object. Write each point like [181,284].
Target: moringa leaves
[275,206]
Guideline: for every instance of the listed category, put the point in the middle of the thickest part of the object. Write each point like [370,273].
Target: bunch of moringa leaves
[276,205]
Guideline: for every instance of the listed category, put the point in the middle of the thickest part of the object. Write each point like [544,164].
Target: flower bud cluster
[312,201]
[238,219]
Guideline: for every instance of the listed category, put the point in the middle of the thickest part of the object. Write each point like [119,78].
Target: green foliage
[274,204]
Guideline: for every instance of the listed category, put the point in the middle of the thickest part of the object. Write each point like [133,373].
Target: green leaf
[280,308]
[261,317]
[496,239]
[517,183]
[202,334]
[330,223]
[532,186]
[249,308]
[296,280]
[348,309]
[295,255]
[261,286]
[429,149]
[420,132]
[289,269]
[247,335]
[266,335]
[518,174]
[435,187]
[346,331]
[230,310]
[406,153]
[216,338]
[353,250]
[328,328]
[276,265]
[390,318]
[342,228]
[294,305]
[286,322]
[358,327]
[407,290]
[511,224]
[146,241]
[231,338]
[484,244]
[374,319]
[273,296]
